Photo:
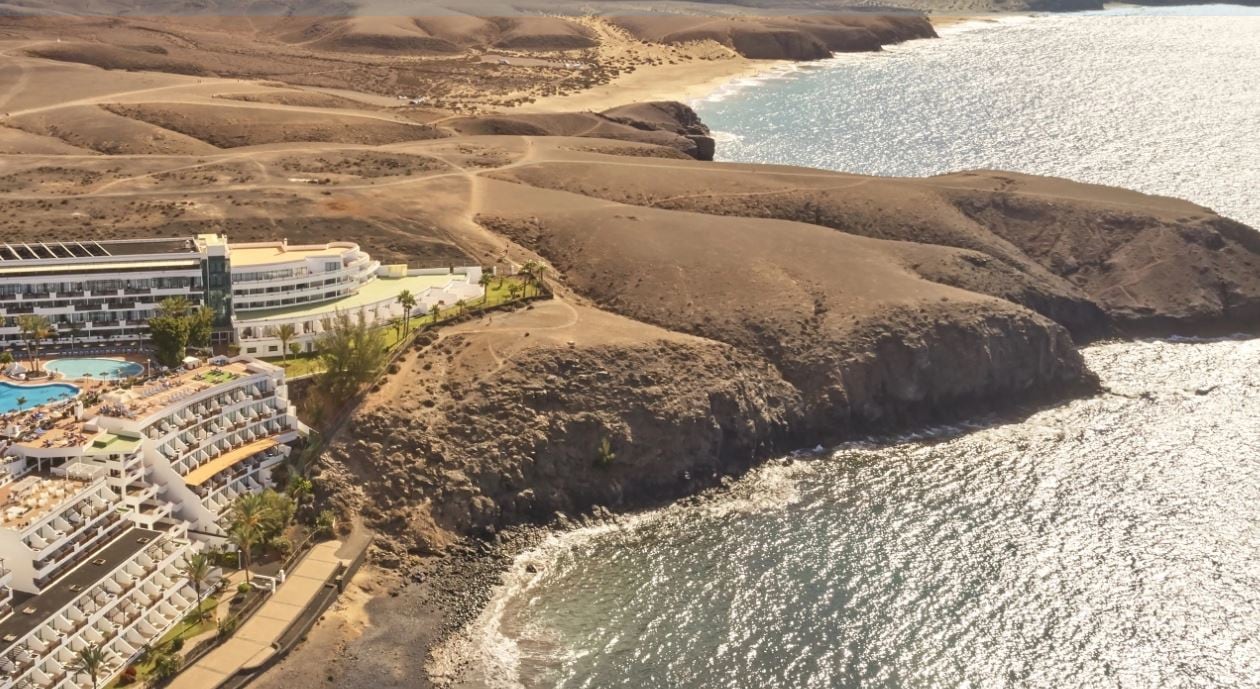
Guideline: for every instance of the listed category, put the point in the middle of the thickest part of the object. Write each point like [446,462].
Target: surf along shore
[712,69]
[706,317]
[401,609]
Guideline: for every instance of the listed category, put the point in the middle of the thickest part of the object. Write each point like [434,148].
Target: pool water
[75,369]
[35,395]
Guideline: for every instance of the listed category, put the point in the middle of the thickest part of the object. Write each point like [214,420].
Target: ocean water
[1108,542]
[1163,101]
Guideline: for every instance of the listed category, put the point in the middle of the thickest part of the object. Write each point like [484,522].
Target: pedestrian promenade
[252,643]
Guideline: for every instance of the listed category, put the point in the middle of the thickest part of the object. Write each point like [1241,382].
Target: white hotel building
[104,496]
[105,292]
[101,504]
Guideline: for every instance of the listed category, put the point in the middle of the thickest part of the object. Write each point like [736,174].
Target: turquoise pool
[76,369]
[35,395]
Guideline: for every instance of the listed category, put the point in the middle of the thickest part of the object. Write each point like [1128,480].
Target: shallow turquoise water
[35,395]
[75,369]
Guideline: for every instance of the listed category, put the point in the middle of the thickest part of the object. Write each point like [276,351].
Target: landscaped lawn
[181,630]
[214,377]
[498,292]
[299,365]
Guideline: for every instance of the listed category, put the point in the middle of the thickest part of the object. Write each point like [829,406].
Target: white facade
[158,464]
[95,291]
[376,300]
[270,275]
[105,292]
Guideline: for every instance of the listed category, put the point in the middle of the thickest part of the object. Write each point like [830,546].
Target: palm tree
[460,306]
[285,333]
[246,519]
[197,570]
[540,277]
[76,331]
[90,661]
[408,301]
[533,272]
[34,328]
[244,538]
[435,312]
[485,281]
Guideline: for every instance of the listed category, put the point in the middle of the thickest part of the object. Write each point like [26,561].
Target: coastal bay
[700,319]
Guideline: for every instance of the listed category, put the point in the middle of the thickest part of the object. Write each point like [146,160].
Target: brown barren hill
[95,128]
[228,126]
[781,38]
[446,35]
[151,57]
[1144,261]
[659,132]
[812,301]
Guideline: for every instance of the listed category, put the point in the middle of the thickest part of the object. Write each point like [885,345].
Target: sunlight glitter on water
[1113,541]
[1163,104]
[1109,542]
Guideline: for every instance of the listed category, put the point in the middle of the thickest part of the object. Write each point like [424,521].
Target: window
[273,348]
[251,350]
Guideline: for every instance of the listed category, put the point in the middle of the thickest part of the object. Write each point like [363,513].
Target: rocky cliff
[711,315]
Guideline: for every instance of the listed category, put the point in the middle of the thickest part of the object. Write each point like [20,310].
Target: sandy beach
[686,82]
[709,69]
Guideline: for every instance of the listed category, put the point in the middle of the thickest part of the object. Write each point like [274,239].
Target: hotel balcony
[131,605]
[52,566]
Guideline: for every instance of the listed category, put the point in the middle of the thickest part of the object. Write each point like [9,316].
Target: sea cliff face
[677,413]
[709,316]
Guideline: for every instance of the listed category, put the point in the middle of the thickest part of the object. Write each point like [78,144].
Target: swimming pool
[75,369]
[34,395]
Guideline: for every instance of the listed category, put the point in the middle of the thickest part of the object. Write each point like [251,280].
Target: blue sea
[1110,542]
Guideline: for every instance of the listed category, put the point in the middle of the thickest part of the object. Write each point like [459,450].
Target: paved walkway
[251,644]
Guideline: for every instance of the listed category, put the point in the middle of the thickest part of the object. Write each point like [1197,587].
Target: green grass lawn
[498,292]
[215,377]
[181,630]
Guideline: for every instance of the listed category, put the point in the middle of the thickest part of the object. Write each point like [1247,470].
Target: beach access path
[253,643]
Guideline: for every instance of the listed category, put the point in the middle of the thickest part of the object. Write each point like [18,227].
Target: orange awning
[203,473]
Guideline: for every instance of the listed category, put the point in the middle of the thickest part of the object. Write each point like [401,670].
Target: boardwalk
[252,643]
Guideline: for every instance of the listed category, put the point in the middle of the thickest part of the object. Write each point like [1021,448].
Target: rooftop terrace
[32,611]
[32,251]
[245,256]
[54,426]
[30,498]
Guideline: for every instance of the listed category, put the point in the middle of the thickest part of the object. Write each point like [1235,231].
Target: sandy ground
[683,82]
[709,70]
[79,169]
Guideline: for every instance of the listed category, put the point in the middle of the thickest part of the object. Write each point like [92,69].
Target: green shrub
[604,454]
[228,625]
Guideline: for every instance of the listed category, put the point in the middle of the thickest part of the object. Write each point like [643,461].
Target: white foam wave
[496,652]
[740,84]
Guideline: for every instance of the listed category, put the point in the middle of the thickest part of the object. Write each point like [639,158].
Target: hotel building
[103,496]
[105,292]
[101,503]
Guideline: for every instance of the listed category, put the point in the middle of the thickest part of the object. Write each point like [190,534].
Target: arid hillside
[705,316]
[732,310]
[453,62]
